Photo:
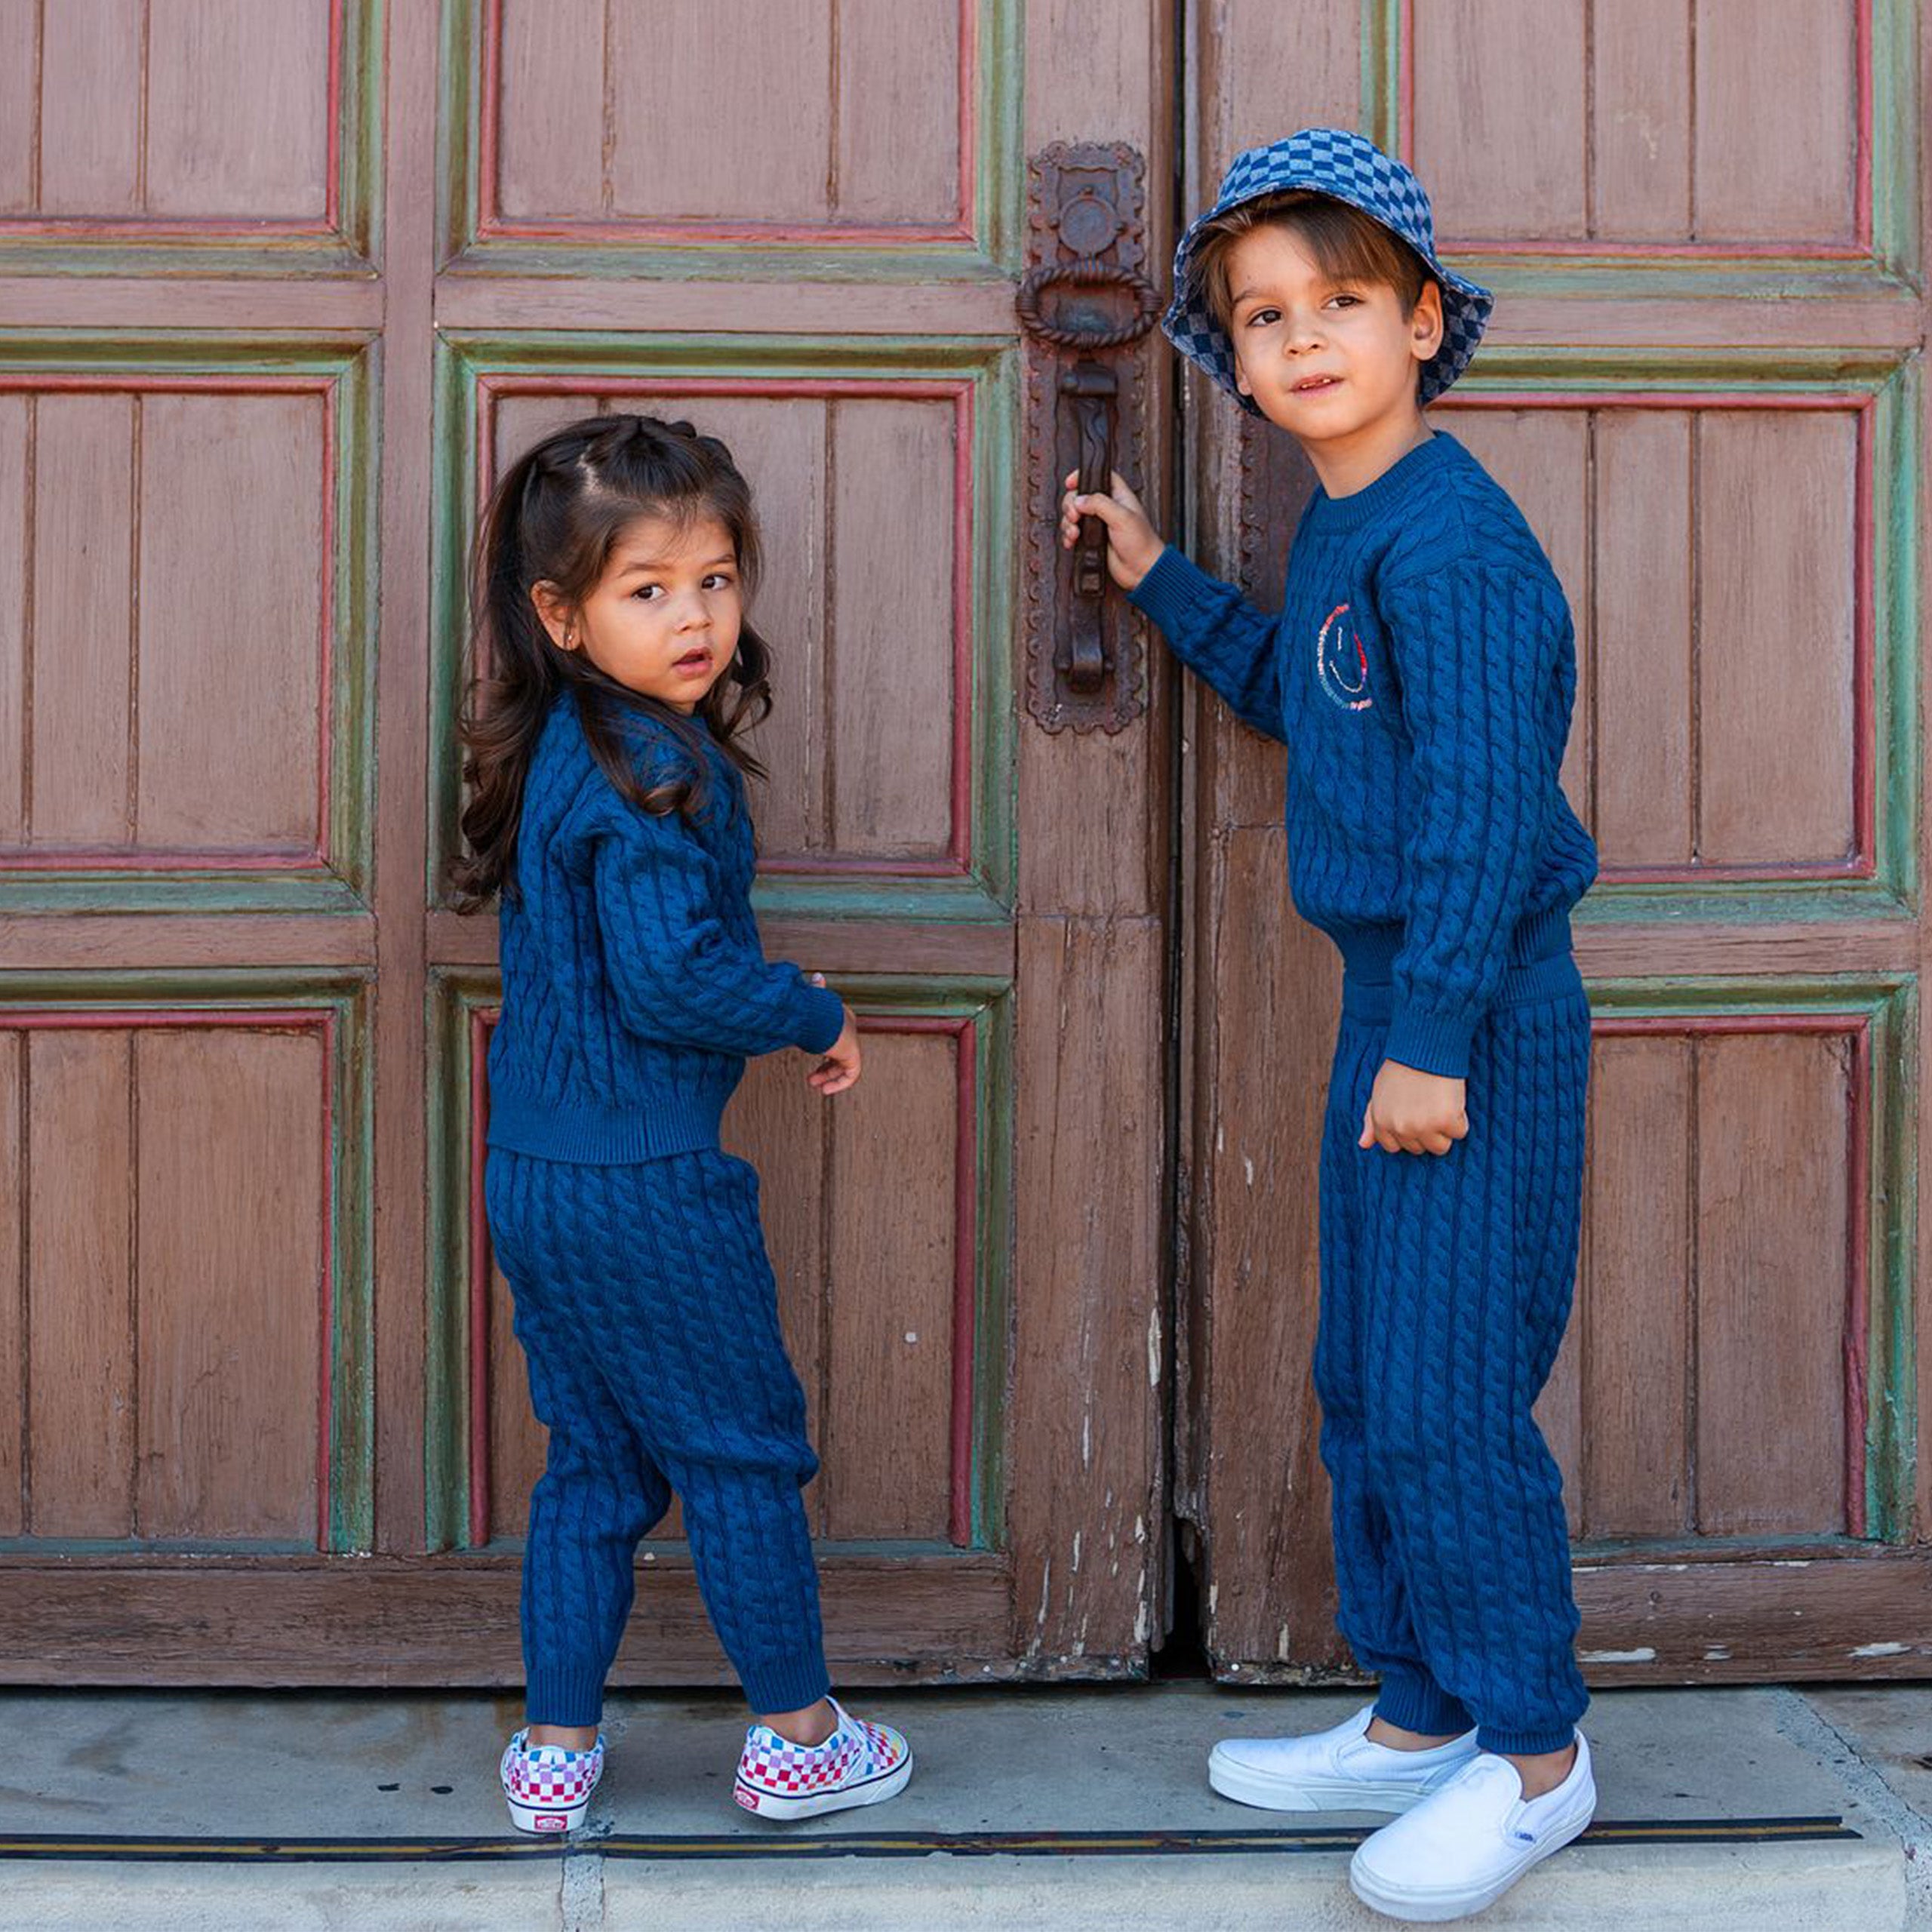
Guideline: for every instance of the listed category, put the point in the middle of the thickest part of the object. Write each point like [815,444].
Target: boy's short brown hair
[1350,246]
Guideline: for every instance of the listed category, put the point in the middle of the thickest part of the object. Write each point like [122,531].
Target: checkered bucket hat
[1326,160]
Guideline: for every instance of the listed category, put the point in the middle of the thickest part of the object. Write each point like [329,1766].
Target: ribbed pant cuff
[574,1697]
[1526,1743]
[787,1683]
[1413,1702]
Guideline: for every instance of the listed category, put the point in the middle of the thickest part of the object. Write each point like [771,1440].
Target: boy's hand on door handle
[1132,542]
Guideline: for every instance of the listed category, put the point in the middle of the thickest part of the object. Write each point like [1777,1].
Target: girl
[607,812]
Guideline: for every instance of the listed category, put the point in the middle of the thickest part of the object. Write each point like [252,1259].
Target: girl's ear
[555,614]
[1425,325]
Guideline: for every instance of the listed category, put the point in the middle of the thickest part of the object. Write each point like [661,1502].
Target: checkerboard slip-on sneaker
[858,1764]
[1466,1844]
[1341,1770]
[547,1787]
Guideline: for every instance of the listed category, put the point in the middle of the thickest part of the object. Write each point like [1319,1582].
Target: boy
[1422,670]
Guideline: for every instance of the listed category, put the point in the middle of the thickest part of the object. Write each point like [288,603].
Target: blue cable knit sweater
[1422,672]
[635,984]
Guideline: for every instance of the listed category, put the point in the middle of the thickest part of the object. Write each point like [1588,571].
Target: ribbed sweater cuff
[1436,1043]
[822,1017]
[568,1695]
[1172,591]
[793,1683]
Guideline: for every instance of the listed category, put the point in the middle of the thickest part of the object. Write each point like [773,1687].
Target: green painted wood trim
[1380,118]
[345,362]
[1892,267]
[353,248]
[344,998]
[1892,383]
[999,184]
[455,994]
[1888,1005]
[984,894]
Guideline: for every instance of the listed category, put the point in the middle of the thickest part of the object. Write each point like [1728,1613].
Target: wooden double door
[281,281]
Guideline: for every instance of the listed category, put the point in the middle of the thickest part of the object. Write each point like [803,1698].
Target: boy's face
[1325,360]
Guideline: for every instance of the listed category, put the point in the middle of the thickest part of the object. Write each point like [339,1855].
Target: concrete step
[1030,1808]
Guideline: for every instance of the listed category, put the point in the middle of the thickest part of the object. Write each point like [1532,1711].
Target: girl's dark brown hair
[553,518]
[1349,245]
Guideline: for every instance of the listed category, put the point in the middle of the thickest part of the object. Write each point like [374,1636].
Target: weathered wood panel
[233,558]
[237,108]
[894,1233]
[82,578]
[82,1287]
[1642,124]
[1773,1170]
[609,116]
[232,1280]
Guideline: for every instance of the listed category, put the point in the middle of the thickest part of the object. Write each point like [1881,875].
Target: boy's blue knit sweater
[1422,673]
[635,986]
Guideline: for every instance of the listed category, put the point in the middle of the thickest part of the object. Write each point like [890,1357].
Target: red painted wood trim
[84,383]
[1862,863]
[699,233]
[965,1309]
[305,1019]
[1856,1030]
[1858,1249]
[959,392]
[332,184]
[481,1021]
[1858,249]
[247,859]
[325,1350]
[120,1019]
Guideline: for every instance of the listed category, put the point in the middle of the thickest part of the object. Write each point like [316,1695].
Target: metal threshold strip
[870,1844]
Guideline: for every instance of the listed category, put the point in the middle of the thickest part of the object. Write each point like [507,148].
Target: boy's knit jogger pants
[648,1315]
[1446,1283]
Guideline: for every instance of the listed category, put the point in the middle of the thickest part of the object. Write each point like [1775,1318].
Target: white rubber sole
[546,1821]
[875,1791]
[1433,1905]
[1271,1792]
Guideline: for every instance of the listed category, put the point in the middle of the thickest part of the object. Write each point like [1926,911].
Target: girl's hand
[839,1070]
[1132,542]
[1412,1112]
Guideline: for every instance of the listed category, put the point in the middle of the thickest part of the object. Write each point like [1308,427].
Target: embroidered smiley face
[1341,662]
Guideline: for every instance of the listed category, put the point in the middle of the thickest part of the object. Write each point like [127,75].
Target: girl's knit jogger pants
[1446,1283]
[648,1315]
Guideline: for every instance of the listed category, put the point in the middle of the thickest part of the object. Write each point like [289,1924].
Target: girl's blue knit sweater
[635,984]
[1422,672]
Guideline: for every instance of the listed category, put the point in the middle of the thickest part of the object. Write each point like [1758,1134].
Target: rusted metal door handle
[1084,403]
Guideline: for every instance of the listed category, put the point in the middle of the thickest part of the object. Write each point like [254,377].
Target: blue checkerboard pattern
[1326,160]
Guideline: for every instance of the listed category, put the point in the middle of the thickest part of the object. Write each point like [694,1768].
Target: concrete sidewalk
[179,1811]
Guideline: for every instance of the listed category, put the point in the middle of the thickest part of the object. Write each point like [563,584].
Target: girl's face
[663,618]
[1325,360]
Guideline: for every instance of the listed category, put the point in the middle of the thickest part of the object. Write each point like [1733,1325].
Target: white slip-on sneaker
[1464,1847]
[547,1787]
[858,1764]
[1341,1770]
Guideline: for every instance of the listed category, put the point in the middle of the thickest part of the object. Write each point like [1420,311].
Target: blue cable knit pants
[647,1310]
[1446,1282]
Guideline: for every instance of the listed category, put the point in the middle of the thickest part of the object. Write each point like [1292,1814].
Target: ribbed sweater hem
[589,1135]
[1412,1702]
